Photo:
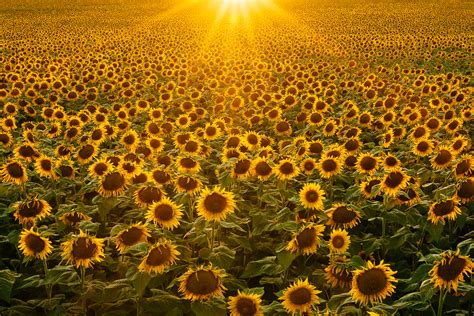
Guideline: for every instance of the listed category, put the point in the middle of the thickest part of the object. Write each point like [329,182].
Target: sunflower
[112,184]
[312,196]
[241,168]
[261,169]
[459,144]
[27,212]
[394,181]
[342,215]
[187,165]
[339,241]
[74,218]
[165,213]
[286,169]
[306,240]
[367,163]
[300,297]
[308,165]
[214,204]
[44,166]
[391,162]
[65,168]
[373,283]
[188,184]
[465,190]
[130,139]
[86,153]
[14,172]
[464,167]
[423,147]
[408,196]
[32,244]
[329,167]
[160,256]
[443,158]
[440,211]
[337,275]
[244,304]
[201,283]
[83,250]
[100,167]
[131,236]
[147,195]
[160,176]
[449,271]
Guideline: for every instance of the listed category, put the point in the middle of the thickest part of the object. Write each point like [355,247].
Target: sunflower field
[236,157]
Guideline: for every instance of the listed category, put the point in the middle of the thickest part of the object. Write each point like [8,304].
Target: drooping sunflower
[394,181]
[14,172]
[312,196]
[86,153]
[465,190]
[202,283]
[450,270]
[464,167]
[83,250]
[74,218]
[188,184]
[300,297]
[329,167]
[367,163]
[147,195]
[244,304]
[342,215]
[165,213]
[187,165]
[32,244]
[112,184]
[31,210]
[443,210]
[443,158]
[160,256]
[241,168]
[307,239]
[339,241]
[131,236]
[372,283]
[338,275]
[215,204]
[286,169]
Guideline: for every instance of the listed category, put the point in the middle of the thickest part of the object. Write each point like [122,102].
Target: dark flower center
[100,168]
[329,165]
[164,212]
[202,282]
[466,190]
[263,169]
[343,215]
[215,203]
[306,238]
[312,196]
[15,170]
[246,307]
[131,236]
[443,208]
[286,168]
[372,282]
[368,163]
[84,248]
[451,269]
[394,179]
[113,181]
[149,195]
[34,243]
[443,157]
[158,256]
[300,296]
[338,241]
[242,166]
[30,209]
[187,183]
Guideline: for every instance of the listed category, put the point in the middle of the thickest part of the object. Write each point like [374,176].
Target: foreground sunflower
[165,213]
[337,275]
[32,244]
[215,204]
[244,304]
[394,181]
[373,283]
[83,250]
[159,257]
[339,241]
[450,270]
[112,184]
[306,240]
[329,167]
[440,211]
[131,236]
[312,196]
[300,297]
[27,212]
[201,283]
[286,169]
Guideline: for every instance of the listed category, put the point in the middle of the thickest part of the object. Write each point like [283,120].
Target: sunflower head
[244,304]
[372,283]
[160,256]
[31,210]
[14,172]
[83,250]
[131,236]
[32,244]
[450,269]
[339,241]
[286,169]
[337,274]
[201,283]
[443,210]
[215,204]
[307,239]
[312,196]
[300,297]
[165,213]
[112,184]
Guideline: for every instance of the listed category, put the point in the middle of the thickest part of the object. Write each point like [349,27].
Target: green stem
[190,209]
[212,236]
[440,302]
[330,189]
[49,288]
[83,277]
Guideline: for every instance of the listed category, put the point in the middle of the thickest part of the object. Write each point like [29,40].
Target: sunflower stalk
[47,286]
[212,235]
[442,295]
[83,277]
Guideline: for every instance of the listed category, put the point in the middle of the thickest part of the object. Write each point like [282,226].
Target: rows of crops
[236,157]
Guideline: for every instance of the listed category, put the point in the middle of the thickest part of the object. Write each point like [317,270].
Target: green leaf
[265,266]
[435,231]
[140,282]
[337,301]
[285,258]
[65,275]
[222,257]
[7,279]
[105,206]
[357,262]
